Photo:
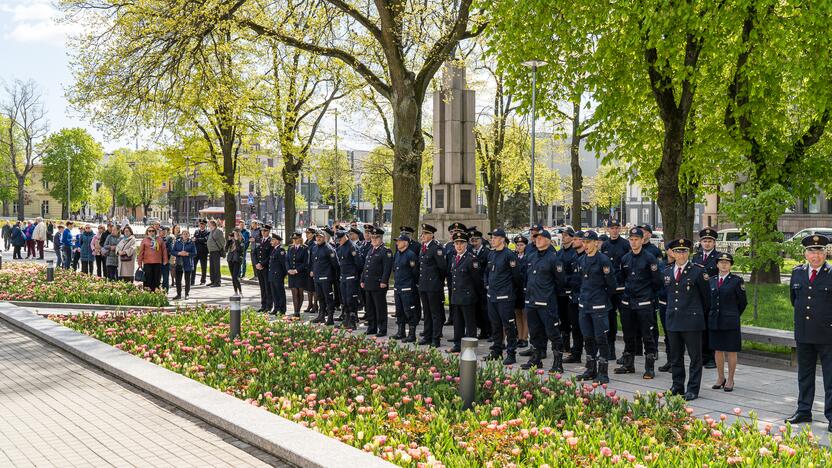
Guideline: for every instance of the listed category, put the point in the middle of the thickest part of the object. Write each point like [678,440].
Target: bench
[771,336]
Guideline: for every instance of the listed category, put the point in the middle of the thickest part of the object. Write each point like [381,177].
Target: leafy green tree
[102,200]
[607,187]
[147,172]
[71,157]
[333,175]
[114,174]
[377,180]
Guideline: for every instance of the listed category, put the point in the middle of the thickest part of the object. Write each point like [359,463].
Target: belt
[625,302]
[620,288]
[594,307]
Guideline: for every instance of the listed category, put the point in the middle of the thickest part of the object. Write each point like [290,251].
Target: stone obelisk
[454,189]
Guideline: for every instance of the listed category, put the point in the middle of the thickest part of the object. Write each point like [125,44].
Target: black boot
[602,377]
[493,356]
[321,318]
[649,362]
[399,333]
[534,361]
[411,335]
[329,320]
[572,358]
[527,352]
[566,337]
[510,359]
[557,362]
[426,340]
[349,321]
[611,344]
[628,366]
[341,317]
[665,367]
[590,372]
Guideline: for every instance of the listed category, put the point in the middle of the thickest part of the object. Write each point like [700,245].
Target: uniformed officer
[572,269]
[615,247]
[544,276]
[413,245]
[255,240]
[378,264]
[264,252]
[296,267]
[520,244]
[598,284]
[432,270]
[567,256]
[728,301]
[357,238]
[480,251]
[503,278]
[811,296]
[642,280]
[466,284]
[277,275]
[336,284]
[688,297]
[707,259]
[450,251]
[406,292]
[311,297]
[350,265]
[661,305]
[323,271]
[647,245]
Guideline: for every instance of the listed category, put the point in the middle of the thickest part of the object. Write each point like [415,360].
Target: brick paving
[58,411]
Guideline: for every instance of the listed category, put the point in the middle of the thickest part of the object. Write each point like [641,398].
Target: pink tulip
[572,441]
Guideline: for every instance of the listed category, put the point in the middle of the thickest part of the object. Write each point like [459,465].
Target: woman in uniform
[728,301]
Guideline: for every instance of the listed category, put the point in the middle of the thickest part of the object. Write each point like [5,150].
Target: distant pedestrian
[66,245]
[201,242]
[108,250]
[7,236]
[50,232]
[18,240]
[245,236]
[296,265]
[30,242]
[152,255]
[39,236]
[100,258]
[216,246]
[56,245]
[85,249]
[184,253]
[235,246]
[126,250]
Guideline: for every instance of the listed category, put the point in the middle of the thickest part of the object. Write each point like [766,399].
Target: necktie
[704,257]
[812,276]
[424,248]
[678,274]
[457,259]
[720,282]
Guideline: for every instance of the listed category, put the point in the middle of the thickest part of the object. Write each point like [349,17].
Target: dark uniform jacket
[642,279]
[466,279]
[597,283]
[503,276]
[616,249]
[653,249]
[544,277]
[568,256]
[277,265]
[264,252]
[520,292]
[296,259]
[573,276]
[432,267]
[350,261]
[687,299]
[378,264]
[406,271]
[709,264]
[324,265]
[727,302]
[812,305]
[201,241]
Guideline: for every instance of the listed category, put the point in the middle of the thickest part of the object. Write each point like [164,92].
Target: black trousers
[406,312]
[278,295]
[434,307]
[112,272]
[663,319]
[707,352]
[594,326]
[16,253]
[265,289]
[202,259]
[807,359]
[465,322]
[692,342]
[637,318]
[612,334]
[297,300]
[575,324]
[179,273]
[544,326]
[350,290]
[503,322]
[214,266]
[86,267]
[325,296]
[100,265]
[483,323]
[376,306]
[152,275]
[235,268]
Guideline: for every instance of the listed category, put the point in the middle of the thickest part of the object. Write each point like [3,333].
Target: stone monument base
[442,221]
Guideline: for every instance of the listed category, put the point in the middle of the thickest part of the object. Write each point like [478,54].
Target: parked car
[657,239]
[811,232]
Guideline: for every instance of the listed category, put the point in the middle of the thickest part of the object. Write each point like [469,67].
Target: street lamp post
[534,65]
[336,166]
[187,196]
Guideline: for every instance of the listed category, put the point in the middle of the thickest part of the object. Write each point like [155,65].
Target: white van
[811,232]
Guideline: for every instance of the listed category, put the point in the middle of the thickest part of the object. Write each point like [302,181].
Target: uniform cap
[377,231]
[297,235]
[707,233]
[568,231]
[613,223]
[329,231]
[311,230]
[543,233]
[498,232]
[457,227]
[591,236]
[647,228]
[355,231]
[407,229]
[680,244]
[319,233]
[459,236]
[266,227]
[636,232]
[403,237]
[474,234]
[727,257]
[428,228]
[201,221]
[368,227]
[815,242]
[277,236]
[340,233]
[580,234]
[603,237]
[519,239]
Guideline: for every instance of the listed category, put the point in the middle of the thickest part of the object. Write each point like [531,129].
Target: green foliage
[607,187]
[102,200]
[333,175]
[377,176]
[71,155]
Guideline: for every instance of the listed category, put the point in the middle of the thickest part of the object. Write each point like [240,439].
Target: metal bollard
[50,271]
[235,316]
[468,372]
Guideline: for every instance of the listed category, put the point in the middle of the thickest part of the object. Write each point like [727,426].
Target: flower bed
[401,403]
[22,281]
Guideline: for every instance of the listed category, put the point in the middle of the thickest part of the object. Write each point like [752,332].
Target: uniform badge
[389,253]
[282,252]
[606,270]
[666,280]
[705,275]
[560,268]
[413,263]
[475,264]
[513,263]
[654,267]
[354,253]
[440,252]
[742,286]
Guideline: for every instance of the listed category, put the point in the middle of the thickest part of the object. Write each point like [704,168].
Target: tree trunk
[575,164]
[21,195]
[407,162]
[672,203]
[492,195]
[113,207]
[378,218]
[229,194]
[770,272]
[289,208]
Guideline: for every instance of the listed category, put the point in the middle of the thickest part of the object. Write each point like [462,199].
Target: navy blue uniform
[483,322]
[264,252]
[324,272]
[378,264]
[406,291]
[641,278]
[597,287]
[503,276]
[433,268]
[728,302]
[277,278]
[568,303]
[310,243]
[350,264]
[466,287]
[545,276]
[688,298]
[297,259]
[812,301]
[708,263]
[615,249]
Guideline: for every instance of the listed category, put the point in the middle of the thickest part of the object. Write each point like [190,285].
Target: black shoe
[425,341]
[665,367]
[527,352]
[590,372]
[829,427]
[649,364]
[423,333]
[719,385]
[572,358]
[799,417]
[627,364]
[296,314]
[329,321]
[456,349]
[557,363]
[522,344]
[510,359]
[493,356]
[448,322]
[409,339]
[710,365]
[381,334]
[370,332]
[674,391]
[176,298]
[534,361]
[620,361]
[435,344]
[483,336]
[690,396]
[398,336]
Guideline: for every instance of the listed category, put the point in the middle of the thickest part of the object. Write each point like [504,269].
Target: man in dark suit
[375,279]
[466,284]
[277,275]
[688,297]
[350,264]
[261,268]
[707,258]
[432,270]
[811,296]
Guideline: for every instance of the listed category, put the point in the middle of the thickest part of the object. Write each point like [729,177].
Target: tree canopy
[72,156]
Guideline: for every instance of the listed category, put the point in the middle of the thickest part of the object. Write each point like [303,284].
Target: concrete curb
[278,436]
[59,305]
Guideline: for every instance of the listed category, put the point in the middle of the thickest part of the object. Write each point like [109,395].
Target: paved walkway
[57,411]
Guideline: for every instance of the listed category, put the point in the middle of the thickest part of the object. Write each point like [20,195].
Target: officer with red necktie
[707,258]
[811,296]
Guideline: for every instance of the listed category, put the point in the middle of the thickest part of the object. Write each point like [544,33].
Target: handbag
[139,276]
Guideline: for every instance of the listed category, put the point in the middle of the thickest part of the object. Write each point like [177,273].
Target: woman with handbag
[153,253]
[108,250]
[126,251]
[184,251]
[236,248]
